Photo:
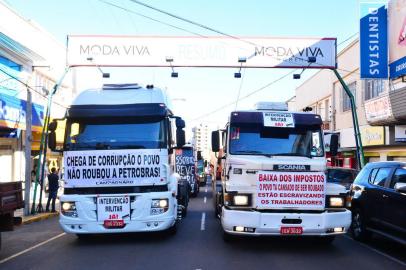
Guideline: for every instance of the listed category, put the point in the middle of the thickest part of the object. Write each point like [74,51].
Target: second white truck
[273,176]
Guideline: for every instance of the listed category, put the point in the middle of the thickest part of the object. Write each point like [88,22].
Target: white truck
[273,176]
[119,161]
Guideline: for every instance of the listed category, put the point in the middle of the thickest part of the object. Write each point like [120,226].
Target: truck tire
[228,238]
[326,240]
[172,230]
[358,228]
[83,236]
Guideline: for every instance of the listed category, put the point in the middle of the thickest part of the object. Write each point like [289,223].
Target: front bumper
[313,224]
[78,226]
[140,219]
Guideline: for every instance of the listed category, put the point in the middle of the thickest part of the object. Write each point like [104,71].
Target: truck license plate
[113,223]
[291,230]
[113,211]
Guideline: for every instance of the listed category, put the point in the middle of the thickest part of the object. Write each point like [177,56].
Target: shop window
[373,88]
[346,103]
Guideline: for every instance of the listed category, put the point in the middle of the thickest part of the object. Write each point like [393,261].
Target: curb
[39,217]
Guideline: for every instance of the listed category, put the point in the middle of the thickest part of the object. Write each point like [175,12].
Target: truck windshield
[271,141]
[115,133]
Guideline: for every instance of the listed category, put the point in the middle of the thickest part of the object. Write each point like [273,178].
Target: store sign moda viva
[114,167]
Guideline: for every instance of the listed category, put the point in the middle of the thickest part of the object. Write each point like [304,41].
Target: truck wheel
[326,240]
[172,230]
[358,229]
[228,238]
[83,236]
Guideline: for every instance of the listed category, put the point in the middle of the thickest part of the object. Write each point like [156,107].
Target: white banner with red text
[301,190]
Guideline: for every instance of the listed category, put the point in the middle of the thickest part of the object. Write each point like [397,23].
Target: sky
[201,94]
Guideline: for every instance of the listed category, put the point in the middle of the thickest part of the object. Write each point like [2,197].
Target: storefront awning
[19,49]
[13,113]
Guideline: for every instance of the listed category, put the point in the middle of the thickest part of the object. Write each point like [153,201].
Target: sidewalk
[37,216]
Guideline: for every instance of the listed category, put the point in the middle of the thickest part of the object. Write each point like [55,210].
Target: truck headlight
[160,203]
[159,206]
[336,202]
[69,209]
[240,200]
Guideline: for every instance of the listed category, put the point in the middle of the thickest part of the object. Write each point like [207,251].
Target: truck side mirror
[334,145]
[180,123]
[52,140]
[53,125]
[180,137]
[215,141]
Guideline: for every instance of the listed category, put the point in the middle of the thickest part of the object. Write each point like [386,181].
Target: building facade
[30,60]
[201,140]
[380,107]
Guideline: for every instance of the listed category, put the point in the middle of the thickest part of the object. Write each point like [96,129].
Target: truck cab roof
[121,100]
[119,94]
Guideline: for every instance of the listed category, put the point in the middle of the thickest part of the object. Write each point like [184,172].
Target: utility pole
[28,125]
[357,132]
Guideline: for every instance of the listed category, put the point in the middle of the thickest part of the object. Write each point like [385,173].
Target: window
[373,88]
[380,176]
[372,175]
[251,139]
[346,99]
[116,133]
[398,177]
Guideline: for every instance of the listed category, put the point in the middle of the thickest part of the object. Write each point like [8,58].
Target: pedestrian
[53,183]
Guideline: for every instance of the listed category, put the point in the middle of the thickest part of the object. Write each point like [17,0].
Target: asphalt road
[197,245]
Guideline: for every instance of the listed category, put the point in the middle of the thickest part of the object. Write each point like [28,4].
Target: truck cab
[118,153]
[273,176]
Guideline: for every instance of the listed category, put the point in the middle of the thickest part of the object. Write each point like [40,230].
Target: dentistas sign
[131,167]
[373,41]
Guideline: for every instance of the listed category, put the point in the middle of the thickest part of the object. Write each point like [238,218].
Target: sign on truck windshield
[129,167]
[120,133]
[251,139]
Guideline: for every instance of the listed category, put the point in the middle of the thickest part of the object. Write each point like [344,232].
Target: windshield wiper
[291,154]
[249,152]
[254,152]
[130,146]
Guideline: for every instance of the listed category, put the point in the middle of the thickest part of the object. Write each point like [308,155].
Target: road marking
[31,248]
[203,222]
[377,251]
[205,190]
[205,199]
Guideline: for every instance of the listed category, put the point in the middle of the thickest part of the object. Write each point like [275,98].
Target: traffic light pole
[357,133]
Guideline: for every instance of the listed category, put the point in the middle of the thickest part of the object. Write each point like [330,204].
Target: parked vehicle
[378,201]
[342,176]
[273,177]
[11,199]
[119,157]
